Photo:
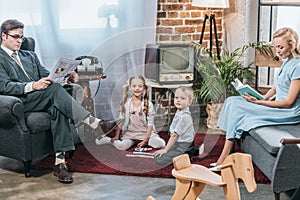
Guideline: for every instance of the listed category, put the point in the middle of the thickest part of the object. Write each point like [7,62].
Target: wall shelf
[277,3]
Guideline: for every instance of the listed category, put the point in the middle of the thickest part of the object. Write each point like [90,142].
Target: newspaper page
[63,69]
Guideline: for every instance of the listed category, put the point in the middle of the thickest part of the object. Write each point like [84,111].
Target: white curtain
[115,31]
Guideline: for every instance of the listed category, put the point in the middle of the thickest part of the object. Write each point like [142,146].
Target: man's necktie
[14,56]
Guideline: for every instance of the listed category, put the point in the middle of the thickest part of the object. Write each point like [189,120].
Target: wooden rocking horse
[191,179]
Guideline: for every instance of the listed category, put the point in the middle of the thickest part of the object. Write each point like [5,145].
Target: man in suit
[23,76]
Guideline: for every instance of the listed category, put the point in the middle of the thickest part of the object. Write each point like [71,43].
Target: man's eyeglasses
[16,37]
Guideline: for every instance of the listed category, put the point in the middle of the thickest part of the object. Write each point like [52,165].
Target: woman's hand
[41,84]
[160,152]
[250,98]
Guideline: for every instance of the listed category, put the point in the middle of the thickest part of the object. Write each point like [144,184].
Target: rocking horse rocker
[191,179]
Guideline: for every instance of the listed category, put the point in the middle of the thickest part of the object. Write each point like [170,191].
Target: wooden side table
[84,81]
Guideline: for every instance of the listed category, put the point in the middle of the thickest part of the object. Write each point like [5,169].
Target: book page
[237,83]
[63,69]
[246,89]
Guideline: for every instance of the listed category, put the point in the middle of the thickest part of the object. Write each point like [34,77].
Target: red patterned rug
[106,159]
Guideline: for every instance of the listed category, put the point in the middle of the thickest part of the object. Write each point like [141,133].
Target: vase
[213,111]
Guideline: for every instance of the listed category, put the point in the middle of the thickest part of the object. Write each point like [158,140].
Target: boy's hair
[125,94]
[188,92]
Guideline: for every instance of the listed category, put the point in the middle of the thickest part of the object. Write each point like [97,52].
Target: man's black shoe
[62,173]
[105,127]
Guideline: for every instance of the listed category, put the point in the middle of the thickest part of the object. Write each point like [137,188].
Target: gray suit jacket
[12,78]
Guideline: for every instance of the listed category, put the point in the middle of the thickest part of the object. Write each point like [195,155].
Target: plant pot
[213,111]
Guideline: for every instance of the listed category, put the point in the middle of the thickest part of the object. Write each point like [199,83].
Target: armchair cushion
[37,122]
[270,136]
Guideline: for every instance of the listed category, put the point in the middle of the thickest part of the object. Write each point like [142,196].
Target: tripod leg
[203,28]
[216,35]
[210,33]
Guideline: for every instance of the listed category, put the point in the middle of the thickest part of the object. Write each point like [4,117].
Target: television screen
[175,58]
[170,63]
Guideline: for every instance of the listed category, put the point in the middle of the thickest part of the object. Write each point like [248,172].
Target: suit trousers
[63,109]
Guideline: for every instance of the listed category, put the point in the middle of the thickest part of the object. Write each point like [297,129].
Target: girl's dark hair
[11,24]
[125,95]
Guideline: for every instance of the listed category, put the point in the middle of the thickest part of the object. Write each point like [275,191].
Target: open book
[63,69]
[245,88]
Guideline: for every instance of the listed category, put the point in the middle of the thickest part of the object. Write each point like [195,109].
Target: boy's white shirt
[185,137]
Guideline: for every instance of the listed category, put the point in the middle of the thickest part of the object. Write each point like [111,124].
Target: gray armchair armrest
[12,113]
[286,171]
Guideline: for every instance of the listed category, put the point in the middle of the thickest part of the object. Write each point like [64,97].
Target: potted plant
[217,74]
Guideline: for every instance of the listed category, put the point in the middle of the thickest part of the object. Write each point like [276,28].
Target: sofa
[276,152]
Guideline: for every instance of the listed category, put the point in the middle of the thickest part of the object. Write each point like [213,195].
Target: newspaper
[63,69]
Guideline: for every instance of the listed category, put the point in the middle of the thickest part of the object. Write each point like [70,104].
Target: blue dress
[239,115]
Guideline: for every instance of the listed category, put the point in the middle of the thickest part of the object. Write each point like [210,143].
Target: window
[284,16]
[91,14]
[29,11]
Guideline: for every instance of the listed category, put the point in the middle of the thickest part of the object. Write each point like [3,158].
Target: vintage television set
[170,63]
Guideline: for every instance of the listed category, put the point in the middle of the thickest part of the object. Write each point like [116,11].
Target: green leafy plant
[217,75]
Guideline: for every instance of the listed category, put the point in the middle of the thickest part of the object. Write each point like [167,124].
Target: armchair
[27,136]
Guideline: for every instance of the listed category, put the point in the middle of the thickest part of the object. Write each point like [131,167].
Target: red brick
[172,14]
[195,14]
[172,7]
[172,1]
[175,38]
[172,22]
[164,30]
[185,30]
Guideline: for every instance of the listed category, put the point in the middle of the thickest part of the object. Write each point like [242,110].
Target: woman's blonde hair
[292,38]
[189,92]
[145,96]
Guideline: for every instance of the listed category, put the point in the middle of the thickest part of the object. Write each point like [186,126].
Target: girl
[182,129]
[137,115]
[244,113]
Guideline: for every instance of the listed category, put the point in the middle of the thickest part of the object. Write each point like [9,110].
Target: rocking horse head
[242,167]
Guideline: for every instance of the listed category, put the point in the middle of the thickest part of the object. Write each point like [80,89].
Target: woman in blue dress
[242,113]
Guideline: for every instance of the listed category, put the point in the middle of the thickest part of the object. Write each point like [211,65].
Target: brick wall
[178,20]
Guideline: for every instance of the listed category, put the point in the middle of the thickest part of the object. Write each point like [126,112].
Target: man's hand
[41,84]
[73,78]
